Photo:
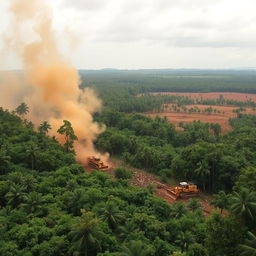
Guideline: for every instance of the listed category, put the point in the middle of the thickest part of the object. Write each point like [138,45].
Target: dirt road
[142,179]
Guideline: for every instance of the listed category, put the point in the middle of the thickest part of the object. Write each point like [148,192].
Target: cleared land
[212,95]
[221,118]
[221,114]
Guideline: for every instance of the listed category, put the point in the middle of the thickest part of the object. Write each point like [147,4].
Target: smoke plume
[50,85]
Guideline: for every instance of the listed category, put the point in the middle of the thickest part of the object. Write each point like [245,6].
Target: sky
[139,34]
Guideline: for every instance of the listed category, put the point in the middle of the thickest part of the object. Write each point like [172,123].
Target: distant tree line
[119,90]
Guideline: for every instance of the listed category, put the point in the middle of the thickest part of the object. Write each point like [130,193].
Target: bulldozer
[185,190]
[96,163]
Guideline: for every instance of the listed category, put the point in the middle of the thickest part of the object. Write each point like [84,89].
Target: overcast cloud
[153,33]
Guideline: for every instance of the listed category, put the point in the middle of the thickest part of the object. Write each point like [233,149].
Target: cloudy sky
[152,33]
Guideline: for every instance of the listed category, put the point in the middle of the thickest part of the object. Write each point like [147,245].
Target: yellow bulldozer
[96,163]
[185,190]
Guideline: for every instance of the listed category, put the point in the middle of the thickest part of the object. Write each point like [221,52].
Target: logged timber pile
[96,163]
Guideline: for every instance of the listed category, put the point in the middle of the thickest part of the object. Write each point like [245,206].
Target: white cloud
[157,33]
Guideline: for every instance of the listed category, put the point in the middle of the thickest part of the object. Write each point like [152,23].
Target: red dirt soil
[212,95]
[177,117]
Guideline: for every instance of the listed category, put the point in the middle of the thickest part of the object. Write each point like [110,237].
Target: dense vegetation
[50,206]
[118,88]
[199,153]
[243,120]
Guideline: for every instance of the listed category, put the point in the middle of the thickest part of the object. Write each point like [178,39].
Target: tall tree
[16,195]
[85,234]
[243,204]
[136,248]
[194,204]
[44,127]
[178,210]
[184,240]
[32,151]
[22,109]
[202,172]
[4,161]
[33,202]
[111,214]
[67,130]
[223,234]
[220,200]
[124,231]
[29,182]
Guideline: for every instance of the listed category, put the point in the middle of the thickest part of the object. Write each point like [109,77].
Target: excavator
[185,190]
[96,163]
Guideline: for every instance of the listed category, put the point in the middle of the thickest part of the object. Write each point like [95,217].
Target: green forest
[117,88]
[50,205]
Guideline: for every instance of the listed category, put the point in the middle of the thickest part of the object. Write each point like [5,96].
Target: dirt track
[143,179]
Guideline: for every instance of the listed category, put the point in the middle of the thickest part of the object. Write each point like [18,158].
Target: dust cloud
[50,84]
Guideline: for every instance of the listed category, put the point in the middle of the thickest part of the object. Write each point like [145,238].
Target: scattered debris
[143,179]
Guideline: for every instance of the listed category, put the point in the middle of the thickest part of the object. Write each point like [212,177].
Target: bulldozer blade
[103,167]
[188,195]
[172,194]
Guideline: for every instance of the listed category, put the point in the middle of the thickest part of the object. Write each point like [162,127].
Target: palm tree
[29,182]
[136,248]
[85,234]
[243,204]
[44,127]
[6,211]
[111,214]
[126,230]
[32,151]
[202,172]
[249,247]
[184,240]
[16,178]
[4,161]
[16,195]
[220,200]
[75,201]
[22,109]
[178,210]
[194,204]
[33,202]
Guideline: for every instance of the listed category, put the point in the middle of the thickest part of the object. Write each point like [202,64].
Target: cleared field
[221,118]
[212,95]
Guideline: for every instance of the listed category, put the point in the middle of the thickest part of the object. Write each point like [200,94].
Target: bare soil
[221,118]
[212,95]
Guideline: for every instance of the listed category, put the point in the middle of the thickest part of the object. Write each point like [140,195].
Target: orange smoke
[53,92]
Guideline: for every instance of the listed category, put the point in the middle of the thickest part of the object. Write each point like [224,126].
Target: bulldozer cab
[184,185]
[96,163]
